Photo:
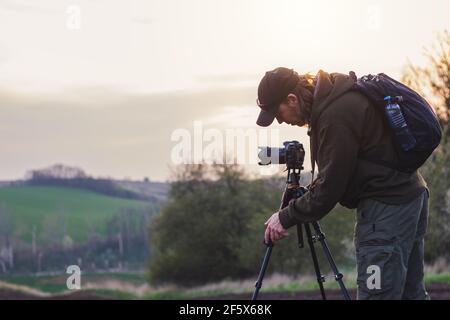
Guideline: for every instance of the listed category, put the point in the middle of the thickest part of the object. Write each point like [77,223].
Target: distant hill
[59,215]
[131,189]
[80,211]
[148,189]
[62,175]
[153,192]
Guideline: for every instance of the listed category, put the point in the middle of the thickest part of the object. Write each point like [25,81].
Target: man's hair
[304,90]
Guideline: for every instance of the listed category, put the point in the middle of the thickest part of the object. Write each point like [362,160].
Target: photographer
[352,146]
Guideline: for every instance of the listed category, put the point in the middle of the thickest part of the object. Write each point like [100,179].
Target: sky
[104,84]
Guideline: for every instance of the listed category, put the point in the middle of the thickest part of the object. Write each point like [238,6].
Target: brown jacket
[345,127]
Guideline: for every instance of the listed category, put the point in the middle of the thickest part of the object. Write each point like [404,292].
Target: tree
[56,171]
[433,81]
[197,236]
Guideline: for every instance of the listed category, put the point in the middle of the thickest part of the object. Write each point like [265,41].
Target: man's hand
[274,230]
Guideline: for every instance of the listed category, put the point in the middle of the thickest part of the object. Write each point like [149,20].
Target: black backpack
[420,118]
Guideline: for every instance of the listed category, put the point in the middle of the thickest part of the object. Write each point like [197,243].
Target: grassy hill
[80,211]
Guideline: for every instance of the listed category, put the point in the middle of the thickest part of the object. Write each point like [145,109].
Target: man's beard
[303,116]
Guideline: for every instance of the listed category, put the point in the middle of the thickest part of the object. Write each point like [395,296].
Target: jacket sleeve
[336,159]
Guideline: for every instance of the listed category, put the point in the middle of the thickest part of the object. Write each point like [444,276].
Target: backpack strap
[361,157]
[313,157]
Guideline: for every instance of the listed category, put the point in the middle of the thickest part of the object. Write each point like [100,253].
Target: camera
[292,154]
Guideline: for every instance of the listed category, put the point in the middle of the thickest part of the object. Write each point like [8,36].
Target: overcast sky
[102,84]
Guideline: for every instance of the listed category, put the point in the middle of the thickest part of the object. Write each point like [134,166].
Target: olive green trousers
[389,241]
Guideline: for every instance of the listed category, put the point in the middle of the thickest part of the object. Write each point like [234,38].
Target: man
[346,131]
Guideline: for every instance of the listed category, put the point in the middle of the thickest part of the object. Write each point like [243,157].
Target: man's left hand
[274,230]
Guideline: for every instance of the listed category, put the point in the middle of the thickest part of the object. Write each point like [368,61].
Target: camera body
[292,154]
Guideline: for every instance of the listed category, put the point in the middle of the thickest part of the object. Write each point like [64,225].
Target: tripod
[294,191]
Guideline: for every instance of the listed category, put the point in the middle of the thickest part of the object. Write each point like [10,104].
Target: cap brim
[266,117]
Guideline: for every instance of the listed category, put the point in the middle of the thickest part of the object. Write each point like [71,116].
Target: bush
[212,228]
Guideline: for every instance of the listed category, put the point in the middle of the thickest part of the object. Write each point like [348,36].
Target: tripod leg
[338,276]
[287,195]
[320,277]
[258,283]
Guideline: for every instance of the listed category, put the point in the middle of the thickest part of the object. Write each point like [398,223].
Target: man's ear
[292,99]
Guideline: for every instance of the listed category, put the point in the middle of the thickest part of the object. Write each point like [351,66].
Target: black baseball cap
[272,90]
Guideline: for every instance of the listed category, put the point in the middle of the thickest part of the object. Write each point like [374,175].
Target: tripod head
[293,156]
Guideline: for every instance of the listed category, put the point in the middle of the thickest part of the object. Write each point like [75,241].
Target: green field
[81,210]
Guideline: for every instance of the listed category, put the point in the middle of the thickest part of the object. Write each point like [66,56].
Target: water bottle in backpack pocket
[402,134]
[415,128]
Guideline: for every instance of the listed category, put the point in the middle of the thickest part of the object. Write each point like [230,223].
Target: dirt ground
[437,291]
